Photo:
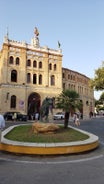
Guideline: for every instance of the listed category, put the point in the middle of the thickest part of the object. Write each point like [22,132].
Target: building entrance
[34,102]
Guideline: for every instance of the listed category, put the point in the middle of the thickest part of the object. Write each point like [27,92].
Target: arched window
[13,101]
[34,64]
[40,79]
[87,103]
[34,79]
[69,86]
[71,77]
[13,76]
[40,64]
[52,80]
[11,59]
[17,61]
[55,67]
[50,66]
[28,62]
[63,85]
[63,75]
[28,77]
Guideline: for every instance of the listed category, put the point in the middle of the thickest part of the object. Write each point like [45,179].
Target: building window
[52,80]
[13,101]
[87,103]
[28,62]
[28,77]
[50,66]
[34,64]
[63,85]
[11,59]
[13,76]
[71,77]
[40,79]
[34,79]
[55,67]
[17,61]
[40,64]
[63,75]
[69,86]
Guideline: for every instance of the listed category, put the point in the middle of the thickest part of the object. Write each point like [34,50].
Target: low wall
[49,148]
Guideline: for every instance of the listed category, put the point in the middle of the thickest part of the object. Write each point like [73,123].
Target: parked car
[59,115]
[19,116]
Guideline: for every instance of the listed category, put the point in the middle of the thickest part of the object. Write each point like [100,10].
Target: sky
[77,24]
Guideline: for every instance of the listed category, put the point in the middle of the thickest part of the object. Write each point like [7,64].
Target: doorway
[34,102]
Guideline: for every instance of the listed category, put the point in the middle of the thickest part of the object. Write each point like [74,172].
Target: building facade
[29,73]
[80,83]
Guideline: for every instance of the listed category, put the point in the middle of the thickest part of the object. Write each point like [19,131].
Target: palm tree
[69,101]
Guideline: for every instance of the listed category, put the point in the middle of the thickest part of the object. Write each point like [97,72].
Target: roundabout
[64,148]
[84,167]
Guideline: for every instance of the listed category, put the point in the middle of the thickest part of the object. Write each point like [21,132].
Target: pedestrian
[76,119]
[2,125]
[14,116]
[36,116]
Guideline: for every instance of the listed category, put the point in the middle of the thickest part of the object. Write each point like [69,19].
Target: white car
[59,115]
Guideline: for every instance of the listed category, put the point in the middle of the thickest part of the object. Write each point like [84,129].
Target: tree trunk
[66,119]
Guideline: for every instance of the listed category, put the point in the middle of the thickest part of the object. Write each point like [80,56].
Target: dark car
[19,116]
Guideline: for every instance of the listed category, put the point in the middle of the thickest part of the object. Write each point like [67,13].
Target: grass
[25,134]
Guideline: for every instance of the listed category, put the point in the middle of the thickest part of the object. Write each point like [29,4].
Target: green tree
[101,97]
[99,104]
[69,101]
[98,82]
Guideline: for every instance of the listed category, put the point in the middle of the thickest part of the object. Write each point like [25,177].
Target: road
[87,168]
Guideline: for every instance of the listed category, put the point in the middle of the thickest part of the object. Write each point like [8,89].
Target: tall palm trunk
[66,119]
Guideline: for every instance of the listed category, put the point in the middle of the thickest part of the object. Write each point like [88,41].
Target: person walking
[76,119]
[36,116]
[2,125]
[14,116]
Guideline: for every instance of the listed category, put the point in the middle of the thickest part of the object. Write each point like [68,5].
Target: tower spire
[35,39]
[6,37]
[7,32]
[36,32]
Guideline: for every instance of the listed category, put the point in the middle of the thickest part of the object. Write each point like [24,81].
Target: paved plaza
[81,168]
